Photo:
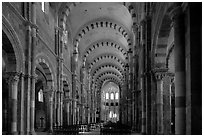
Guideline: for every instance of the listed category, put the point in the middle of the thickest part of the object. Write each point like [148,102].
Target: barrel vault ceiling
[104,34]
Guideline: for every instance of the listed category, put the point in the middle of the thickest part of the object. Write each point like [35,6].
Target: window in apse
[40,95]
[107,95]
[112,96]
[116,95]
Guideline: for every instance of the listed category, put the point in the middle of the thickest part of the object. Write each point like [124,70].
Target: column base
[21,133]
[143,133]
[50,131]
[32,133]
[160,134]
[14,133]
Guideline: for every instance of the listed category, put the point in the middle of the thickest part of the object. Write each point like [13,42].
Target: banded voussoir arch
[109,72]
[103,43]
[109,78]
[108,24]
[66,82]
[107,56]
[47,67]
[107,75]
[108,66]
[64,13]
[163,38]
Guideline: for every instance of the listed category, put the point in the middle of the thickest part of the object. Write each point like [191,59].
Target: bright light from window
[116,95]
[43,6]
[107,95]
[111,114]
[114,115]
[40,96]
[112,96]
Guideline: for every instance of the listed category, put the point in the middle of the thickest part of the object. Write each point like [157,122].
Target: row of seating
[66,130]
[73,129]
[115,129]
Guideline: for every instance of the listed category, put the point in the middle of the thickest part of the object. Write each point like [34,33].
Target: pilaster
[180,76]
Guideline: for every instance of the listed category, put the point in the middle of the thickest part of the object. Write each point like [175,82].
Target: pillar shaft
[32,106]
[159,74]
[49,95]
[68,115]
[61,108]
[159,102]
[22,127]
[180,82]
[13,91]
[32,100]
[143,108]
[28,79]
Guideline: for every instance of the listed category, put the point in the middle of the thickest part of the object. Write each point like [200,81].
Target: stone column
[71,113]
[68,115]
[49,94]
[32,106]
[142,73]
[180,78]
[172,111]
[55,109]
[159,74]
[13,97]
[61,108]
[143,95]
[28,77]
[33,48]
[22,117]
[58,108]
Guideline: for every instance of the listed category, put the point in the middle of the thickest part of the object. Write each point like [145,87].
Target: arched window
[43,6]
[112,96]
[116,95]
[107,95]
[40,95]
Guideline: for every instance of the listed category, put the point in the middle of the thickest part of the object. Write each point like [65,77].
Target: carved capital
[159,76]
[12,77]
[32,25]
[160,73]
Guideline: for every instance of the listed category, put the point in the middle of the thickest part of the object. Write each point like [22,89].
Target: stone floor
[94,132]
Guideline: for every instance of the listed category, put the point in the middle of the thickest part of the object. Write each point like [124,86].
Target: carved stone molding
[160,73]
[12,77]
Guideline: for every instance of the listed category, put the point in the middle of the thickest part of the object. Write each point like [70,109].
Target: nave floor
[94,132]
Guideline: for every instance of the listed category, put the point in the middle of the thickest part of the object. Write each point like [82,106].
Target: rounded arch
[108,76]
[15,42]
[64,13]
[103,22]
[108,64]
[110,67]
[108,72]
[108,79]
[47,67]
[102,43]
[162,36]
[107,56]
[67,82]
